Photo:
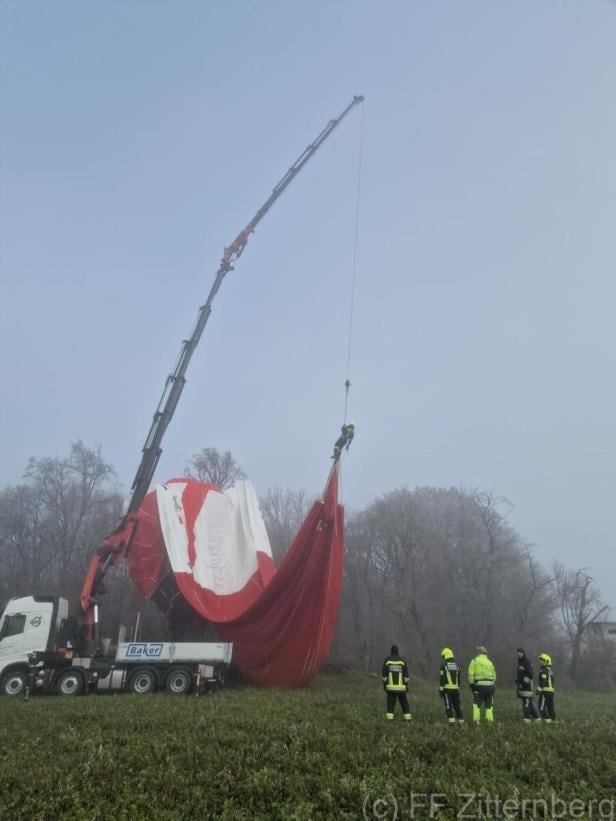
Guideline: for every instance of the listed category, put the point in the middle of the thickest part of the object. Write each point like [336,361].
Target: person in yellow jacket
[482,681]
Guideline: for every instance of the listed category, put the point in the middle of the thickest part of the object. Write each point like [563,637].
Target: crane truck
[38,649]
[37,654]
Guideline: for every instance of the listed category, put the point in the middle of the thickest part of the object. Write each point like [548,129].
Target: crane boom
[176,381]
[115,547]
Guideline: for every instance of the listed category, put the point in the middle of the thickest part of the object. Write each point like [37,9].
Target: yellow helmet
[545,658]
[446,653]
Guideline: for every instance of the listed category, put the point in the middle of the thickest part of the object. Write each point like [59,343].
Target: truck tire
[178,682]
[70,683]
[142,681]
[13,683]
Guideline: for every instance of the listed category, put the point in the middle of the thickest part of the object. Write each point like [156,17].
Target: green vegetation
[322,752]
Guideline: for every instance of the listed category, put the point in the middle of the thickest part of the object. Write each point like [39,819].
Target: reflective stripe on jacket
[449,675]
[395,674]
[546,680]
[481,671]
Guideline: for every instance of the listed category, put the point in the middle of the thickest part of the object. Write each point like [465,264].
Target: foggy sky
[138,138]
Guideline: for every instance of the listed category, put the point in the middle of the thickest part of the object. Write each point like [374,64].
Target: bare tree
[363,620]
[51,524]
[538,600]
[400,553]
[580,603]
[211,466]
[283,512]
[24,553]
[70,491]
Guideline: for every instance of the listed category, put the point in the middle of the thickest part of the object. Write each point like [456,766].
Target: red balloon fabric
[285,636]
[281,622]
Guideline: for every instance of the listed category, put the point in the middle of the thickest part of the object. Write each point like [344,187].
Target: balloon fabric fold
[211,549]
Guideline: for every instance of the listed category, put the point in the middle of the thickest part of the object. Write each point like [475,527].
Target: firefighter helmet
[546,658]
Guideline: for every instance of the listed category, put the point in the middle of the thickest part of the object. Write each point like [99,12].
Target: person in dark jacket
[395,675]
[449,686]
[344,440]
[524,686]
[546,689]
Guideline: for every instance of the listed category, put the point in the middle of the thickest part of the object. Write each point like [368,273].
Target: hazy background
[138,138]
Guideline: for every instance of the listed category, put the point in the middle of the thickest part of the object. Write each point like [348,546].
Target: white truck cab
[27,625]
[33,653]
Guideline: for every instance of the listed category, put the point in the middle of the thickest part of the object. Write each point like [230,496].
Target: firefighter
[449,686]
[524,686]
[344,440]
[396,684]
[482,681]
[545,689]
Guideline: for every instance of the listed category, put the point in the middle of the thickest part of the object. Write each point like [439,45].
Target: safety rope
[347,383]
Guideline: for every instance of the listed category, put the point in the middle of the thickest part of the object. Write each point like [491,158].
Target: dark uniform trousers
[400,696]
[546,706]
[451,699]
[529,711]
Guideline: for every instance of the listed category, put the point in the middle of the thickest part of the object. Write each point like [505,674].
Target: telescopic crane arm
[115,547]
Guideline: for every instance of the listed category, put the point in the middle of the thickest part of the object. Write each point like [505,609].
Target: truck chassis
[56,672]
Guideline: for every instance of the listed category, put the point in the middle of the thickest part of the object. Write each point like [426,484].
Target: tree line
[424,568]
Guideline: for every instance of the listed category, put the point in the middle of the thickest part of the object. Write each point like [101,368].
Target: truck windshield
[12,625]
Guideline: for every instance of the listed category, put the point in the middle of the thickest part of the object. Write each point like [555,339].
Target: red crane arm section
[113,550]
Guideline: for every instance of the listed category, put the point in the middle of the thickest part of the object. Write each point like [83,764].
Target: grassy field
[325,752]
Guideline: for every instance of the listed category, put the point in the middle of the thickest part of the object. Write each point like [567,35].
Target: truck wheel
[142,681]
[13,684]
[178,682]
[70,683]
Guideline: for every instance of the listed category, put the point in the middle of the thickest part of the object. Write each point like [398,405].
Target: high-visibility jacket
[481,671]
[546,680]
[449,675]
[395,674]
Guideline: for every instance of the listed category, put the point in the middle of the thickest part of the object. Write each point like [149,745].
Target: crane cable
[347,383]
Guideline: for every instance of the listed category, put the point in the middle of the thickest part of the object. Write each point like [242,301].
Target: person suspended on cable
[395,675]
[344,440]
